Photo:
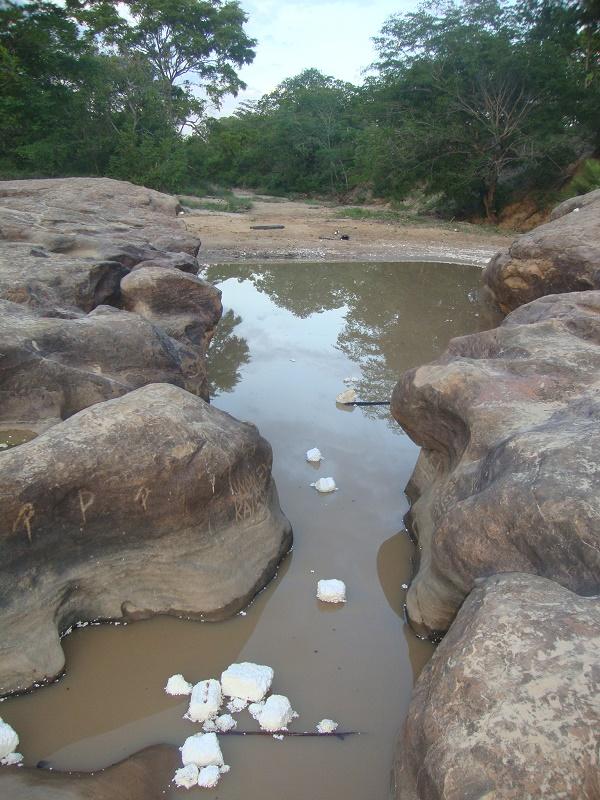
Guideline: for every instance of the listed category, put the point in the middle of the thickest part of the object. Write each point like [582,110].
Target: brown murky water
[290,334]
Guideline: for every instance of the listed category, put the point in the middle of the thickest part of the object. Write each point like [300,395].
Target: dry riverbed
[312,232]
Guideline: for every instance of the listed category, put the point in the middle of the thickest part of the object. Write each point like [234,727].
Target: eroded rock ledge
[76,255]
[143,776]
[152,503]
[560,256]
[508,479]
[509,705]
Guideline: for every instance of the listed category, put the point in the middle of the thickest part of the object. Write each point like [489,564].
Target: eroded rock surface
[509,705]
[66,247]
[151,503]
[144,776]
[508,479]
[184,306]
[51,368]
[561,256]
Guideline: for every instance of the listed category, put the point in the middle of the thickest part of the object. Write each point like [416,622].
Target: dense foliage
[470,103]
[87,90]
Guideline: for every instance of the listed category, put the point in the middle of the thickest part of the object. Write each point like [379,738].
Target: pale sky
[332,35]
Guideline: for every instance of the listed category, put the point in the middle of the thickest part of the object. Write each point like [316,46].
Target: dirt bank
[311,233]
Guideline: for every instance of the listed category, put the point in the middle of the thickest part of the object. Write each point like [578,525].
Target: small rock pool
[289,336]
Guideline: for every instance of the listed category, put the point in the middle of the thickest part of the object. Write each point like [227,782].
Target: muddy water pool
[290,334]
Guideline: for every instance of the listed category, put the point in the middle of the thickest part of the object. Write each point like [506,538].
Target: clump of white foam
[205,701]
[226,723]
[236,704]
[210,726]
[331,591]
[325,485]
[327,726]
[314,455]
[11,760]
[186,777]
[9,739]
[208,777]
[202,749]
[276,714]
[255,709]
[177,684]
[247,681]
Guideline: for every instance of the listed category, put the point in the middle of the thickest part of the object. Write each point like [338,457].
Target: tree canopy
[470,103]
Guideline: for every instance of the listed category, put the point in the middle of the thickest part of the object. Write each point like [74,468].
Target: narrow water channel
[290,334]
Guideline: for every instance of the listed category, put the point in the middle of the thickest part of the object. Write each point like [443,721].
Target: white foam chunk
[224,769]
[208,777]
[205,701]
[246,680]
[11,759]
[276,714]
[186,777]
[177,684]
[325,485]
[8,739]
[210,726]
[314,455]
[202,749]
[254,709]
[331,591]
[236,704]
[226,723]
[326,726]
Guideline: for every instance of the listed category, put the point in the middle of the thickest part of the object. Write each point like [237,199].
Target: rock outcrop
[143,776]
[153,503]
[51,368]
[561,256]
[67,248]
[508,479]
[509,705]
[184,306]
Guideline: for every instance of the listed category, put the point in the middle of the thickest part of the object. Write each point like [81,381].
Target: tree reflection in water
[228,352]
[398,315]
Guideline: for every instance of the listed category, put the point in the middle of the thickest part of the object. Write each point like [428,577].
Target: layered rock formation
[509,477]
[151,503]
[509,705]
[67,247]
[136,497]
[560,256]
[144,776]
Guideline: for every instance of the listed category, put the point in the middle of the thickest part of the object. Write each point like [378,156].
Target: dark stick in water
[339,734]
[367,403]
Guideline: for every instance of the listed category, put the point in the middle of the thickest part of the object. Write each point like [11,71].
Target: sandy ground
[312,232]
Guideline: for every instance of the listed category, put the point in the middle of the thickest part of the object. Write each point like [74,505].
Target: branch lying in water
[339,734]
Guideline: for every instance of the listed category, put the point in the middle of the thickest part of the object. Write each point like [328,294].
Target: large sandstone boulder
[508,479]
[51,368]
[561,256]
[153,503]
[56,285]
[143,776]
[509,705]
[184,306]
[94,218]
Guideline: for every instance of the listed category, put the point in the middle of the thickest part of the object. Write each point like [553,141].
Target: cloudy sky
[332,35]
